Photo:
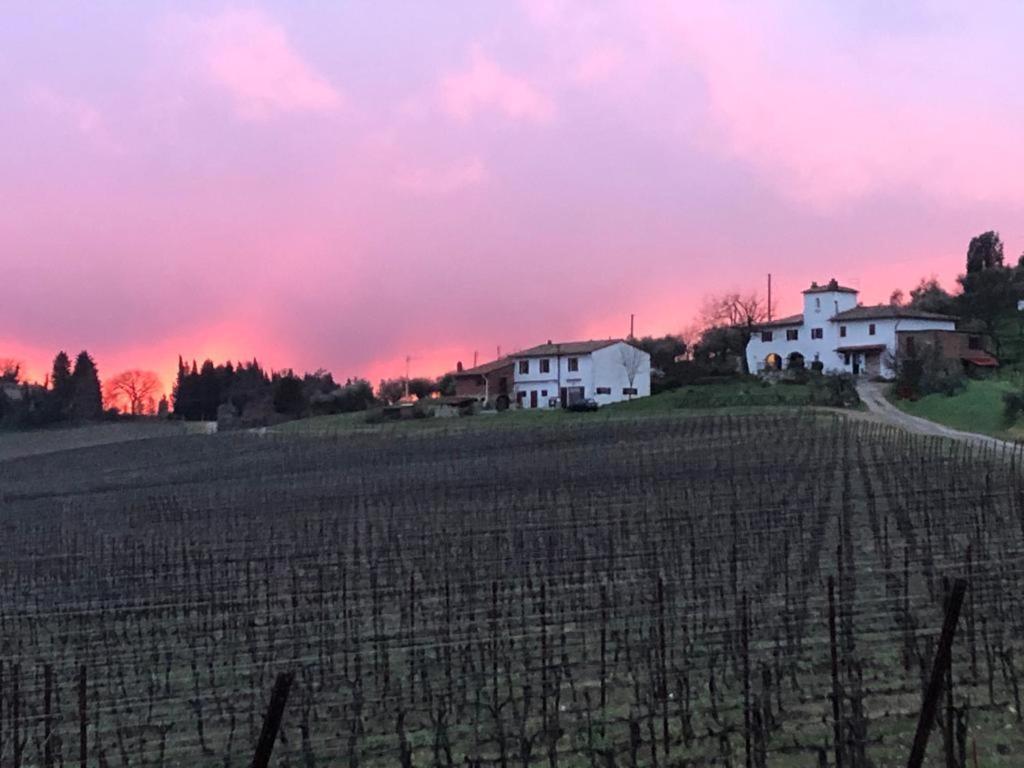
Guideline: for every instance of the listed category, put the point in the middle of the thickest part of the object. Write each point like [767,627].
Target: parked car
[586,404]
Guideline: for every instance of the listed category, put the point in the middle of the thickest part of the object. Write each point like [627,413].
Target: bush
[926,374]
[1013,406]
[818,366]
[833,390]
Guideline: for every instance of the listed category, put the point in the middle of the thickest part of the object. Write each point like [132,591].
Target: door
[533,398]
[856,364]
[873,364]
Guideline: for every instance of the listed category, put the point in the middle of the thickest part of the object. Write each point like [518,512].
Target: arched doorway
[773,362]
[795,361]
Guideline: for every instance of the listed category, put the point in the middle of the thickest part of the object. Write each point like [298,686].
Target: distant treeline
[250,395]
[69,394]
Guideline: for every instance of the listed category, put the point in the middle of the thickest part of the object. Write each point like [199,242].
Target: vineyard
[618,593]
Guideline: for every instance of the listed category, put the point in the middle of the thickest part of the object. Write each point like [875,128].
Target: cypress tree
[62,387]
[87,402]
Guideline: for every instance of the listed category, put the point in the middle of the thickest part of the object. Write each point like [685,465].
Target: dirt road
[873,395]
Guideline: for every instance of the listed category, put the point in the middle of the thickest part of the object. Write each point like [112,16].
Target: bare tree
[632,362]
[10,369]
[737,311]
[734,309]
[135,390]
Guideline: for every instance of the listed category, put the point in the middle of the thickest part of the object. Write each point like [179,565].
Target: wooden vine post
[942,659]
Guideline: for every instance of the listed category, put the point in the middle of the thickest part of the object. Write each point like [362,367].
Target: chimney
[458,367]
[549,341]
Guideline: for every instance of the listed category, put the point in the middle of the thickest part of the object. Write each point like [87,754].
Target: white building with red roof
[557,375]
[840,333]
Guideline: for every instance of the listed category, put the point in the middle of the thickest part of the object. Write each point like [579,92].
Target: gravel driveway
[873,396]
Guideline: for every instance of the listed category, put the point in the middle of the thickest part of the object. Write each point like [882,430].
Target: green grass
[978,408]
[727,397]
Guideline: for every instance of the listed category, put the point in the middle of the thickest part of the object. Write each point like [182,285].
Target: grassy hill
[730,396]
[978,408]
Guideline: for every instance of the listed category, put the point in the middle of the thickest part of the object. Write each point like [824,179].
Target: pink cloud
[485,86]
[249,55]
[443,180]
[597,64]
[828,122]
[79,114]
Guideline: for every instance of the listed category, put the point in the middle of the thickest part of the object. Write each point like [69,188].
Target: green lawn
[732,397]
[978,408]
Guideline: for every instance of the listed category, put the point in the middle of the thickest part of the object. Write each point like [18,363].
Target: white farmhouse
[557,375]
[843,335]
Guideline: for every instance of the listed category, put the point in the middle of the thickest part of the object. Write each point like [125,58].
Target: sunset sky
[341,184]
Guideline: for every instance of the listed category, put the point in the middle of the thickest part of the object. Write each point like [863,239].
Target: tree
[633,360]
[445,385]
[390,391]
[735,311]
[289,397]
[896,298]
[10,369]
[989,296]
[929,296]
[985,251]
[422,387]
[134,392]
[87,400]
[61,386]
[723,349]
[663,350]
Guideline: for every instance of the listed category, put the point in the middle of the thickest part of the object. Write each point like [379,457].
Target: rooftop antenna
[499,352]
[769,297]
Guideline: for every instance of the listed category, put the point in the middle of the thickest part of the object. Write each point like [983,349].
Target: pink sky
[339,185]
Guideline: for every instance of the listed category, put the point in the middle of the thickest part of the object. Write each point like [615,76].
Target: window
[543,393]
[629,390]
[817,304]
[974,342]
[574,364]
[524,366]
[911,347]
[766,335]
[545,366]
[842,331]
[817,333]
[846,358]
[871,329]
[603,390]
[792,335]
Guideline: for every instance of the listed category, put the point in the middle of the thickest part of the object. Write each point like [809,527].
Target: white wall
[558,376]
[611,372]
[824,349]
[603,368]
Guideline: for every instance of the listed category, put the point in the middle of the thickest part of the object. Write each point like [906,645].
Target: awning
[862,348]
[980,359]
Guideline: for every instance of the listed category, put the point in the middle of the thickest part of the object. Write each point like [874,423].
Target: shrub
[1013,406]
[834,390]
[927,373]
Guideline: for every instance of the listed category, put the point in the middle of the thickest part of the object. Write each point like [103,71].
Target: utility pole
[769,297]
[408,359]
[631,317]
